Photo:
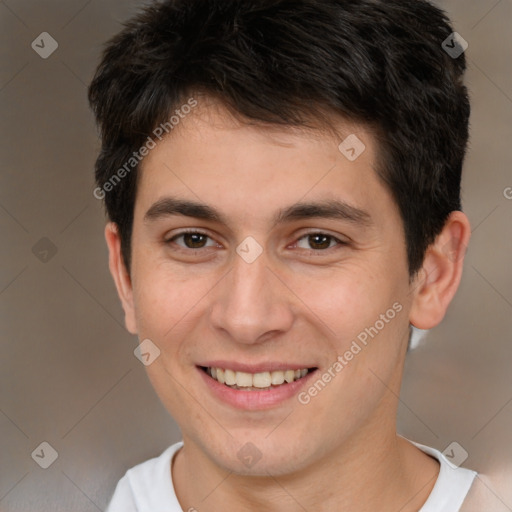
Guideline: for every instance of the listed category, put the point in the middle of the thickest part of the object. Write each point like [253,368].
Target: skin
[296,302]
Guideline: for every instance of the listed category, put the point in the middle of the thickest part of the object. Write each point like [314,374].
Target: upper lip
[255,368]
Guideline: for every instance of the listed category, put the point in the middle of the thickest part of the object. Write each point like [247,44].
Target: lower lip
[254,400]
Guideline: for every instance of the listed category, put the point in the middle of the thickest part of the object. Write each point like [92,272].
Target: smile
[260,381]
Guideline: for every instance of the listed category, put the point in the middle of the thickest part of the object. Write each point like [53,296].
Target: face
[249,281]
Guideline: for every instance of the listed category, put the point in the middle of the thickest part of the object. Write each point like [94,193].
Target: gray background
[68,373]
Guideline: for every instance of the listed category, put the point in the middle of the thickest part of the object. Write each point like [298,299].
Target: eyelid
[189,230]
[312,231]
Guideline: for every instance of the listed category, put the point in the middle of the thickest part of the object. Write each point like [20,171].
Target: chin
[259,455]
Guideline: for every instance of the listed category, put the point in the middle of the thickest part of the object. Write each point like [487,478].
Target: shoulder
[452,484]
[147,482]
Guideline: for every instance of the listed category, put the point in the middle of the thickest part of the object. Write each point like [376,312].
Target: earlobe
[120,275]
[435,285]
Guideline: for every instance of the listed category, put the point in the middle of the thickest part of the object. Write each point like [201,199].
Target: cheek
[345,300]
[160,302]
[170,304]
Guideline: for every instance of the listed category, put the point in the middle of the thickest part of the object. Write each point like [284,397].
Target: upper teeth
[257,380]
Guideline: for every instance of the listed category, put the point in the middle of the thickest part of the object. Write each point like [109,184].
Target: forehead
[251,169]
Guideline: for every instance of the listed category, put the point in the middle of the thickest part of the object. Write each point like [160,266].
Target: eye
[195,240]
[319,241]
[192,239]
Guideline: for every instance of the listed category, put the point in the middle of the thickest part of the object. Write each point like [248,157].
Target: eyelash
[198,232]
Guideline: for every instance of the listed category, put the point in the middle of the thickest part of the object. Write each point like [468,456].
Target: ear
[120,274]
[436,283]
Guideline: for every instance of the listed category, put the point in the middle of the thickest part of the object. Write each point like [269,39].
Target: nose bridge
[252,301]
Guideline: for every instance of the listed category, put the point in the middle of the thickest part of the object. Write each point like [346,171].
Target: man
[282,181]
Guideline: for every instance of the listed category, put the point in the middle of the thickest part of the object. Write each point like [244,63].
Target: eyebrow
[328,209]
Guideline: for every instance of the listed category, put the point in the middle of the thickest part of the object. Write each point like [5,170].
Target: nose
[252,303]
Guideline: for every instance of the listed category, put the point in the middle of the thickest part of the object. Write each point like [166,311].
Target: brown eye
[194,240]
[191,240]
[319,241]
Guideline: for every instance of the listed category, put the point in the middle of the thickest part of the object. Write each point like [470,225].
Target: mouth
[260,381]
[254,387]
